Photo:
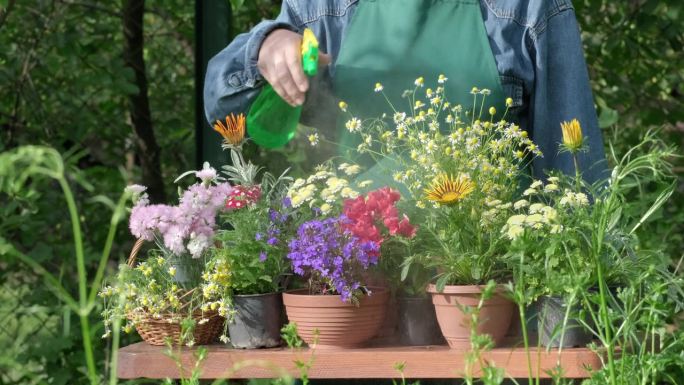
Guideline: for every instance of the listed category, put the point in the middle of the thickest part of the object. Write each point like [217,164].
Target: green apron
[393,42]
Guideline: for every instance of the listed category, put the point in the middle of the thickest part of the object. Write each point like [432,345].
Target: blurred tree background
[79,76]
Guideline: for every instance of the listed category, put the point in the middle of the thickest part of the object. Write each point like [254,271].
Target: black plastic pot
[550,315]
[417,322]
[257,321]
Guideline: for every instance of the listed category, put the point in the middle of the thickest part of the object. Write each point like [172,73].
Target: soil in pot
[495,315]
[550,315]
[338,324]
[417,322]
[257,321]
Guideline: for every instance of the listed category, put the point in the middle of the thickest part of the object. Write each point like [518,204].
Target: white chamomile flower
[353,124]
[325,208]
[299,182]
[516,220]
[419,82]
[514,232]
[536,208]
[492,203]
[533,219]
[352,169]
[504,206]
[378,87]
[349,193]
[365,183]
[442,79]
[581,199]
[313,139]
[550,214]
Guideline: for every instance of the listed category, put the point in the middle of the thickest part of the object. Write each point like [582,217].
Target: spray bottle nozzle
[309,53]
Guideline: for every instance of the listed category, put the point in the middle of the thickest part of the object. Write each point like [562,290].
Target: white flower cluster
[538,217]
[324,189]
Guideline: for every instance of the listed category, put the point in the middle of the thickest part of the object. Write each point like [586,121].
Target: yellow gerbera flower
[233,132]
[572,135]
[447,190]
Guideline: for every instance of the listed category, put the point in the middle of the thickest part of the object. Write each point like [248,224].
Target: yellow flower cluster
[216,283]
[324,189]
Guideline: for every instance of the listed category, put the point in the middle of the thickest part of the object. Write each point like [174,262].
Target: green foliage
[291,338]
[17,168]
[63,83]
[634,51]
[250,274]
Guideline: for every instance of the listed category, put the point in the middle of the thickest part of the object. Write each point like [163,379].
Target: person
[527,50]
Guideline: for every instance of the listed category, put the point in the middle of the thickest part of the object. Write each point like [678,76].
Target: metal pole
[212,34]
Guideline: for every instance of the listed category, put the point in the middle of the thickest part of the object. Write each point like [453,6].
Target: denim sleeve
[561,93]
[232,80]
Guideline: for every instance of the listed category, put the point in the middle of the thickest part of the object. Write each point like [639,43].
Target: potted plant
[250,243]
[551,260]
[338,242]
[416,319]
[573,244]
[418,324]
[165,295]
[461,168]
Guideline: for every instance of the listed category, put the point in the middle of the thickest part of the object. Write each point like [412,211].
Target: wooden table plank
[144,361]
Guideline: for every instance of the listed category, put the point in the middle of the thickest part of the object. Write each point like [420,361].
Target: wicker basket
[159,331]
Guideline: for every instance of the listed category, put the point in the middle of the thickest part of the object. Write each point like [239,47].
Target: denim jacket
[536,46]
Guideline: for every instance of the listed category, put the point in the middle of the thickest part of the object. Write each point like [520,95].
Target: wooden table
[144,361]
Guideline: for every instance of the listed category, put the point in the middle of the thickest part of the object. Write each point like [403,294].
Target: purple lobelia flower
[332,257]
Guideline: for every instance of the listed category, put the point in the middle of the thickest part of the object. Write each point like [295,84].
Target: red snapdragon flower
[243,196]
[378,207]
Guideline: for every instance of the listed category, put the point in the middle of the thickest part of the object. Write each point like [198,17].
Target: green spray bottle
[271,121]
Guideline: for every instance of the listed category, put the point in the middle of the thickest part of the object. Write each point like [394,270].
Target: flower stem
[578,176]
[106,251]
[523,319]
[84,308]
[604,315]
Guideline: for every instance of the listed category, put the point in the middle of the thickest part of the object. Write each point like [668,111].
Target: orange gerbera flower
[233,132]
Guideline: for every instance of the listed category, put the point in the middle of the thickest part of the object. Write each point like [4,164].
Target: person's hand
[280,63]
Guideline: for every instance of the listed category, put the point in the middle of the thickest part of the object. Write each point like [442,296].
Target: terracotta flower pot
[339,324]
[495,315]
